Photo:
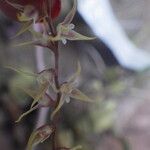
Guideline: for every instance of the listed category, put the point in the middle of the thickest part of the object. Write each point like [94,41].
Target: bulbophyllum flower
[68,90]
[45,79]
[65,30]
[28,8]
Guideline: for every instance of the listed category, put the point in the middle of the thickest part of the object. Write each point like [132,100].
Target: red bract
[12,12]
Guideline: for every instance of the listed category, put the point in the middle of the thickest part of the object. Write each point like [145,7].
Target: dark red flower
[12,12]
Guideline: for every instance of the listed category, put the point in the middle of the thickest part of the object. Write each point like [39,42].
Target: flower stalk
[41,14]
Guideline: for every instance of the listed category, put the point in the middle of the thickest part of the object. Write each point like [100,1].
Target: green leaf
[25,43]
[40,93]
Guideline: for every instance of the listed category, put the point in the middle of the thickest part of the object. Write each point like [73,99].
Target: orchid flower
[68,90]
[65,29]
[39,38]
[44,79]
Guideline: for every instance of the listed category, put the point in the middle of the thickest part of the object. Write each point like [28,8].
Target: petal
[76,74]
[26,113]
[66,88]
[22,72]
[74,36]
[26,43]
[38,94]
[68,19]
[25,27]
[61,102]
[77,94]
[29,92]
[47,75]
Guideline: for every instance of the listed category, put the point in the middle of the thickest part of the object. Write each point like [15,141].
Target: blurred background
[115,74]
